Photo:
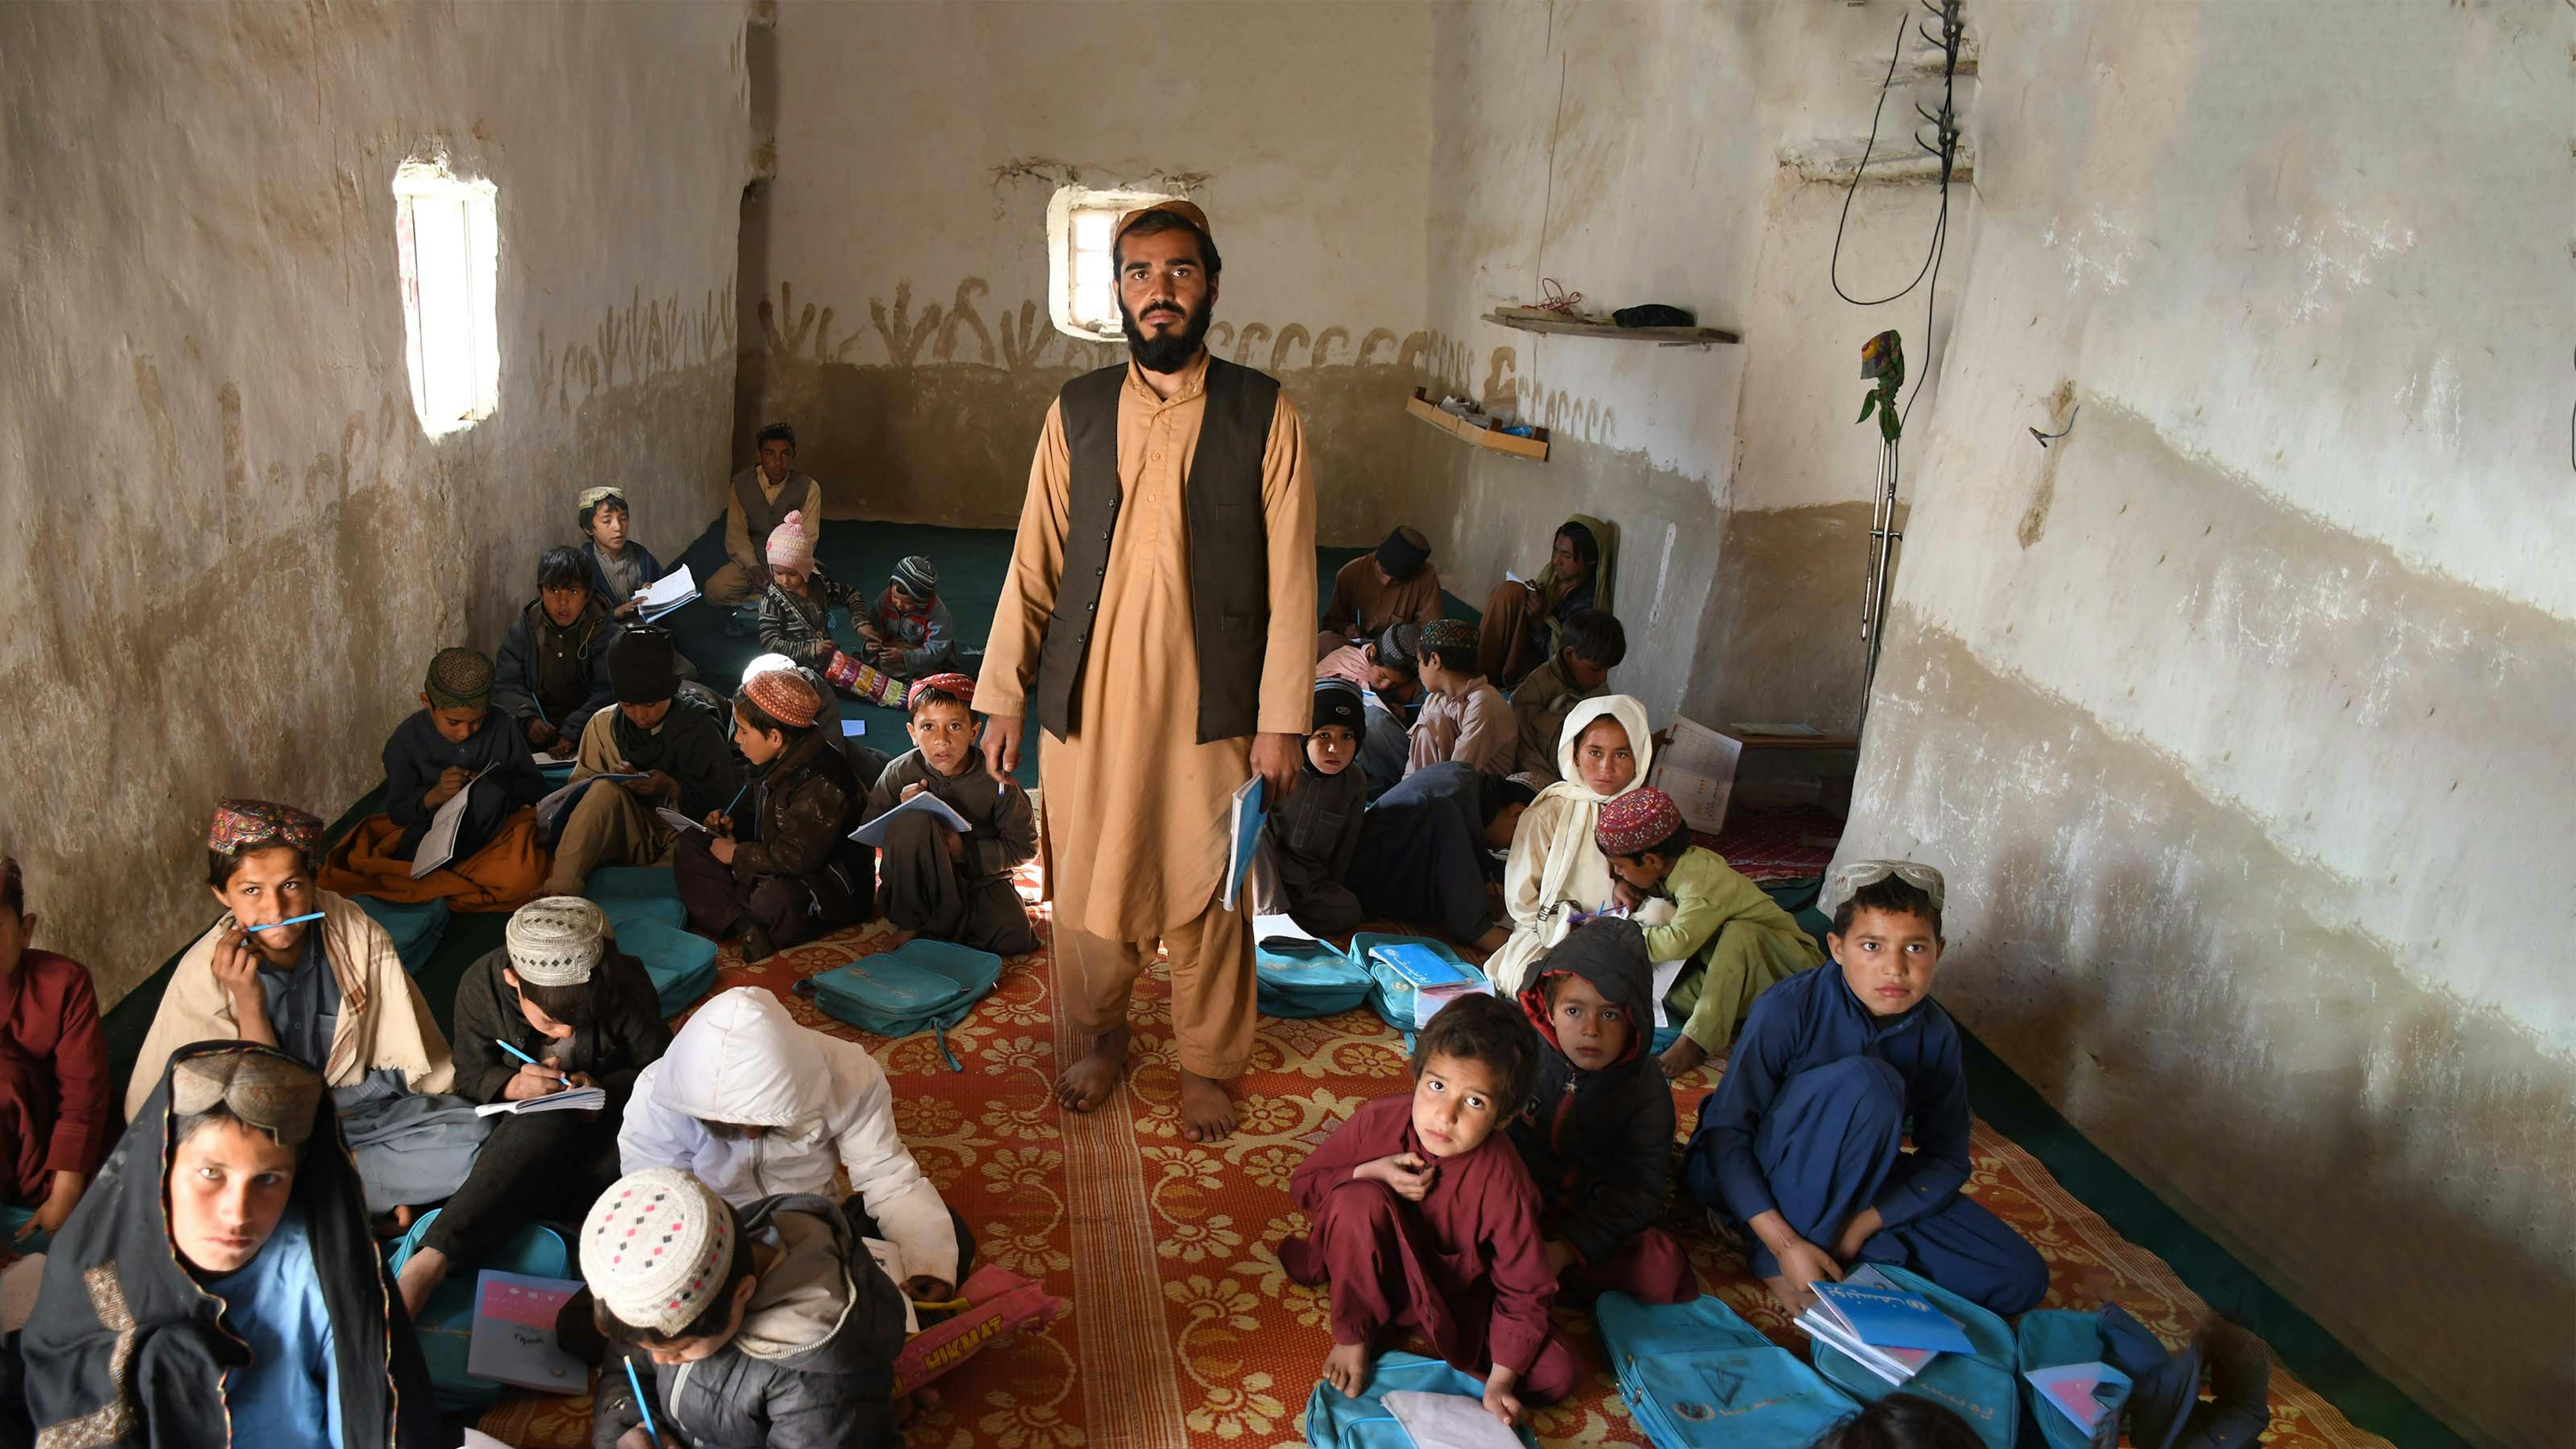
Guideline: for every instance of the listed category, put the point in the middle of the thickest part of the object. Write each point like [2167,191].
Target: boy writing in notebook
[1463,716]
[672,737]
[1421,1217]
[455,743]
[1695,908]
[907,632]
[1799,1144]
[933,881]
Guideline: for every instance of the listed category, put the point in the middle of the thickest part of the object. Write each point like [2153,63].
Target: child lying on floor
[1421,1217]
[1388,670]
[1799,1144]
[1695,908]
[1598,1136]
[933,881]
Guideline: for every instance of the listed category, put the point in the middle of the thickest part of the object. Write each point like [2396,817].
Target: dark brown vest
[1229,551]
[760,515]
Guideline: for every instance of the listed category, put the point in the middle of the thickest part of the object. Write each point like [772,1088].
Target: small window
[1082,282]
[449,245]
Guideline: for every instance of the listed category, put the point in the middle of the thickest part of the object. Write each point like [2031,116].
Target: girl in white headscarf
[1555,867]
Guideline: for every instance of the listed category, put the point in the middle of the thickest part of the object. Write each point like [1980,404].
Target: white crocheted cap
[656,1247]
[556,940]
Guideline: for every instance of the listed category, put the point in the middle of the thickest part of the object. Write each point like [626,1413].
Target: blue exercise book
[2084,1392]
[1422,967]
[1886,1318]
[1244,832]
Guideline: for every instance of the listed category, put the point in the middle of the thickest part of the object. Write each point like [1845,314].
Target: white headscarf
[1569,845]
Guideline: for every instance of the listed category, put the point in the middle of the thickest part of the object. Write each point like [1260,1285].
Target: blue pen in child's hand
[637,1385]
[273,925]
[523,1056]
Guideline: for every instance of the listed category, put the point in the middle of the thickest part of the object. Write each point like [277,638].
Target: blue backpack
[1983,1387]
[1696,1376]
[445,1326]
[922,985]
[1306,979]
[1389,994]
[1336,1422]
[416,926]
[681,963]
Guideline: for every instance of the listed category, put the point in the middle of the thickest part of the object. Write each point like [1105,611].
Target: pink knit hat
[790,544]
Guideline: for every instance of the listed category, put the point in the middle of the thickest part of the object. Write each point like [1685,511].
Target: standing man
[1161,606]
[760,499]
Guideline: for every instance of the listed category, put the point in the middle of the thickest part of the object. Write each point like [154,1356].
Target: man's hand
[1802,1266]
[450,780]
[1274,758]
[542,1080]
[1500,1401]
[722,848]
[1002,745]
[1406,1172]
[540,733]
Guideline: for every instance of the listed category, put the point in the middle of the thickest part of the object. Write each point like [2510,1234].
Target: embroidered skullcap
[1186,210]
[264,1088]
[555,940]
[960,686]
[593,497]
[1846,880]
[1404,553]
[1399,646]
[1337,702]
[790,545]
[240,823]
[1448,635]
[458,679]
[657,1248]
[918,577]
[641,666]
[1636,822]
[784,696]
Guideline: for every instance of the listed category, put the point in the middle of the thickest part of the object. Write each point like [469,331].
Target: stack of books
[1436,980]
[1881,1327]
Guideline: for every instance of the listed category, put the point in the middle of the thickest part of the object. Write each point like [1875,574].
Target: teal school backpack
[1336,1422]
[921,985]
[1305,979]
[681,963]
[1697,1376]
[1389,994]
[446,1323]
[1983,1387]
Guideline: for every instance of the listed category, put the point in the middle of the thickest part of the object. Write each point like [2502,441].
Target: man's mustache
[1165,309]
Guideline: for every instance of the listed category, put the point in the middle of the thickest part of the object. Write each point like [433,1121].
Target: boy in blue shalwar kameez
[1799,1145]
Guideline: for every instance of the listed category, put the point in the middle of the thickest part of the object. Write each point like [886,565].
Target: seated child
[766,1326]
[618,565]
[558,991]
[1388,670]
[796,618]
[1463,716]
[554,661]
[229,1187]
[678,736]
[57,1109]
[1799,1144]
[759,497]
[908,633]
[1695,908]
[1421,1217]
[779,868]
[1598,1138]
[1556,867]
[936,882]
[751,1104]
[1395,584]
[1302,866]
[1593,645]
[1426,846]
[451,743]
[330,993]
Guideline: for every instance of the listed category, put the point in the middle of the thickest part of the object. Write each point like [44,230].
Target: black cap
[1337,702]
[641,668]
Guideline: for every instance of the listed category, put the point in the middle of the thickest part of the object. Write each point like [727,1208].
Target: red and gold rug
[1182,1331]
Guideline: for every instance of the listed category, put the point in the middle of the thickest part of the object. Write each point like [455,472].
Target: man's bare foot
[1207,1110]
[1682,1058]
[1089,1081]
[1347,1368]
[421,1275]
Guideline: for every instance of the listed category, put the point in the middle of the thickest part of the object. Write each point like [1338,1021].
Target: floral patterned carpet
[1182,1331]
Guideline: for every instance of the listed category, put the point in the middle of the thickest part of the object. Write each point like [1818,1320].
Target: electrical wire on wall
[1882,358]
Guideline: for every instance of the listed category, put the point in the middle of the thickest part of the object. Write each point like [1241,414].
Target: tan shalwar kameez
[1136,809]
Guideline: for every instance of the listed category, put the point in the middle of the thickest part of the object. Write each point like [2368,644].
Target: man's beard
[1170,352]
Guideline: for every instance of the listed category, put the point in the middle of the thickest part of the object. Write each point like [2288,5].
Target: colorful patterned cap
[785,696]
[263,1087]
[962,686]
[918,577]
[656,1249]
[240,823]
[1448,634]
[458,679]
[556,940]
[1636,822]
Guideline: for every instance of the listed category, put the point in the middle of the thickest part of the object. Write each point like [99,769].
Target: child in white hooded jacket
[756,1106]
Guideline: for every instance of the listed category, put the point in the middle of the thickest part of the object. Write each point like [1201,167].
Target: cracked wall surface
[228,550]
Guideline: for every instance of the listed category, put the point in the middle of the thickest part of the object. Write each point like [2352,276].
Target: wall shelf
[1532,319]
[1492,439]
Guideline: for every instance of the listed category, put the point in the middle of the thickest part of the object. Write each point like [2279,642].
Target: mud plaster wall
[228,550]
[1639,152]
[2239,717]
[900,317]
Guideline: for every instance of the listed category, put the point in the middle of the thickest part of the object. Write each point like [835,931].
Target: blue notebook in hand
[1890,1318]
